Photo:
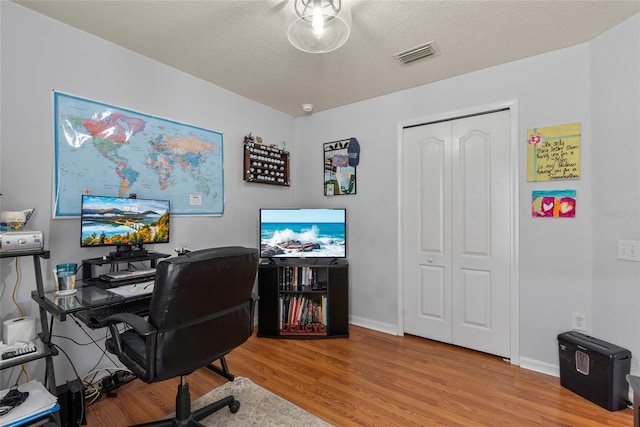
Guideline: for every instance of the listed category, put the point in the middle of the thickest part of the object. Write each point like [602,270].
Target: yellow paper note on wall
[553,153]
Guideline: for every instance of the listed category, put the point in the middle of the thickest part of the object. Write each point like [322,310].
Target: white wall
[565,265]
[557,264]
[615,107]
[40,54]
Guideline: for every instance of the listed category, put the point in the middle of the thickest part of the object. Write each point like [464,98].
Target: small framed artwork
[553,153]
[340,167]
[553,203]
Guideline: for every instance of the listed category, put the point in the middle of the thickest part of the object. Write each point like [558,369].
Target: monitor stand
[127,251]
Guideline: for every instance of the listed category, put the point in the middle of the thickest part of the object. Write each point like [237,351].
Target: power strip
[115,380]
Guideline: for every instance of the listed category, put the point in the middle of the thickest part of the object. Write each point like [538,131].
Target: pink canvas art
[554,204]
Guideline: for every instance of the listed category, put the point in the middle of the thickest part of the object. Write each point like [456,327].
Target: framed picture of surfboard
[340,161]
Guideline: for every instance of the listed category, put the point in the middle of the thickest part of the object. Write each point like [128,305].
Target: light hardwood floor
[376,379]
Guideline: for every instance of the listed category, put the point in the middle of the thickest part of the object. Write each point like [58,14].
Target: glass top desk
[92,304]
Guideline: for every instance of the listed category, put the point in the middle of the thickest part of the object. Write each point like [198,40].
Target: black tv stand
[321,291]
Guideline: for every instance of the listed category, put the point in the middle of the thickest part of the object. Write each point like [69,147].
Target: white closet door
[456,222]
[427,231]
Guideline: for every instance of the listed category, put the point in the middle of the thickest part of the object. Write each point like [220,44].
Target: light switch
[629,250]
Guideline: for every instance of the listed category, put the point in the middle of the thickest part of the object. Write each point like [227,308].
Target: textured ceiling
[242,45]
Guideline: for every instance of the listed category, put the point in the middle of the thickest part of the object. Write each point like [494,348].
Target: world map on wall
[110,151]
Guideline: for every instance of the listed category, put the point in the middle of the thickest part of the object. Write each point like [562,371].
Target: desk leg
[45,335]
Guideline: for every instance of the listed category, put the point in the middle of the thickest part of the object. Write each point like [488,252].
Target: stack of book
[303,314]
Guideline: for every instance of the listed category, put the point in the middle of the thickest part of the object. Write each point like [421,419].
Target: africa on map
[110,151]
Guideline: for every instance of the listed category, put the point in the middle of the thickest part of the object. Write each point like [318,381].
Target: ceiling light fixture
[318,26]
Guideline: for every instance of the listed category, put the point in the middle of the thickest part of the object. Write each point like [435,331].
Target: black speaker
[71,400]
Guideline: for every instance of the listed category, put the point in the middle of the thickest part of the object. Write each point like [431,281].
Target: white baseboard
[538,366]
[387,328]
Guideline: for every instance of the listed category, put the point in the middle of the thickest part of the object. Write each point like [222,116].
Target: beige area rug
[258,407]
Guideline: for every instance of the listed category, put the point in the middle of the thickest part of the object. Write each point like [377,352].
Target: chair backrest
[201,306]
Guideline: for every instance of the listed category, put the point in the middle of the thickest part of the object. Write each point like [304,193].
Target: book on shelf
[299,278]
[300,314]
[324,309]
[294,309]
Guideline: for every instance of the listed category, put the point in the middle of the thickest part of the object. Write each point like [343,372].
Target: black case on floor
[71,399]
[594,369]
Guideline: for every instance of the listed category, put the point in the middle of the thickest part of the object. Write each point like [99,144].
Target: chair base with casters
[185,417]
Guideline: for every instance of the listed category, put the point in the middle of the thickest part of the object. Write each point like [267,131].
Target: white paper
[39,400]
[133,289]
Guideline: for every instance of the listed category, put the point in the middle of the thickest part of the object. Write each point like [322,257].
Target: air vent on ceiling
[416,53]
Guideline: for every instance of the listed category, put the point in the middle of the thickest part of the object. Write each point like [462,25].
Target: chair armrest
[137,323]
[141,327]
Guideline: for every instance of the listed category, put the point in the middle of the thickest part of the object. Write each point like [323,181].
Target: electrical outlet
[628,250]
[579,321]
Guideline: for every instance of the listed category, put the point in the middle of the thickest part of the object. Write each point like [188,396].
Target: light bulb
[317,22]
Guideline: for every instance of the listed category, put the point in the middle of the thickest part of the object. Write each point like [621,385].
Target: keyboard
[95,317]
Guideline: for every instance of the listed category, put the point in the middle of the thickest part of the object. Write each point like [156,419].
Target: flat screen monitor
[123,222]
[303,233]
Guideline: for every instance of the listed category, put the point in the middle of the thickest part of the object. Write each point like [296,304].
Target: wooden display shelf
[266,164]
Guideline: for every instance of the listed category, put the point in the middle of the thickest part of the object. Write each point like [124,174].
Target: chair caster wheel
[234,406]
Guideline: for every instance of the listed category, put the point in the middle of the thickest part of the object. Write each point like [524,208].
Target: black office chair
[201,308]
